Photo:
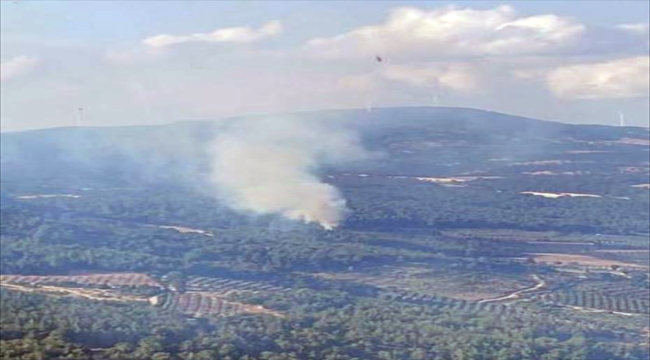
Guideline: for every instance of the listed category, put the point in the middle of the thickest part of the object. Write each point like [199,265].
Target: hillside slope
[434,165]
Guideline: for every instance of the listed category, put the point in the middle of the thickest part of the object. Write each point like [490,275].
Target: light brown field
[625,141]
[459,179]
[583,260]
[115,279]
[425,281]
[92,294]
[203,304]
[587,151]
[192,303]
[553,195]
[446,180]
[623,251]
[555,173]
[186,230]
[548,162]
[633,170]
[46,196]
[633,141]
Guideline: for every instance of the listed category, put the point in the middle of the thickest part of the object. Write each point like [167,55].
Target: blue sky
[130,62]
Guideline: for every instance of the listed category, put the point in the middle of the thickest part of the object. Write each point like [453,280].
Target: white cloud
[528,74]
[226,35]
[450,53]
[635,28]
[623,78]
[17,66]
[452,31]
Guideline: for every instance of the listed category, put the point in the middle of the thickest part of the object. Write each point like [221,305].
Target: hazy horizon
[143,63]
[266,115]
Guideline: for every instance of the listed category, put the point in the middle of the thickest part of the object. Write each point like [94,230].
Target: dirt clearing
[582,260]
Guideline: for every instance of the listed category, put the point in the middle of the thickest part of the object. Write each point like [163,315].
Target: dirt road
[515,295]
[94,294]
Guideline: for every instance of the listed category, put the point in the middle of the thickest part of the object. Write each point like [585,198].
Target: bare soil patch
[186,230]
[582,260]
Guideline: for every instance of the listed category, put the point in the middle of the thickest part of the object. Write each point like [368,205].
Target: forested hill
[434,164]
[470,234]
[419,141]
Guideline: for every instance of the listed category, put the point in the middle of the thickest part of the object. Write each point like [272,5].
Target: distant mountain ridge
[438,167]
[423,141]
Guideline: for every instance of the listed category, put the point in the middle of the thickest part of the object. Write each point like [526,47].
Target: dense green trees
[126,189]
[319,326]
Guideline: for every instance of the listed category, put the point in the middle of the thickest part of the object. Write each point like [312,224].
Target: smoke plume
[269,166]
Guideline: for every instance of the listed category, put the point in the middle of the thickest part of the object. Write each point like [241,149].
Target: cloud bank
[635,28]
[226,35]
[17,66]
[543,65]
[453,32]
[622,78]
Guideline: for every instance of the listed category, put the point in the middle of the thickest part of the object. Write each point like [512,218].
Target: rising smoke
[268,166]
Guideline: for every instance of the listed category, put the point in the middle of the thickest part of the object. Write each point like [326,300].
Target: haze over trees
[444,253]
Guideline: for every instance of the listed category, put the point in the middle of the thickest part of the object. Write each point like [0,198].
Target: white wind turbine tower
[80,116]
[437,90]
[368,105]
[436,99]
[621,118]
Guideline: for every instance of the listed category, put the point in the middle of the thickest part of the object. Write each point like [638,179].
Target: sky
[152,62]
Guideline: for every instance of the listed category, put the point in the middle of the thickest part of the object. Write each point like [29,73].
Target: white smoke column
[267,166]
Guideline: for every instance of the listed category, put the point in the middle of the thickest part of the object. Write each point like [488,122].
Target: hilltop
[465,229]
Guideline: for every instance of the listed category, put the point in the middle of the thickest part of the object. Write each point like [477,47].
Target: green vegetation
[419,270]
[322,326]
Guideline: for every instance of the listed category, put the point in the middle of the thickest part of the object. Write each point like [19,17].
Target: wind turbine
[436,99]
[80,116]
[368,106]
[621,118]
